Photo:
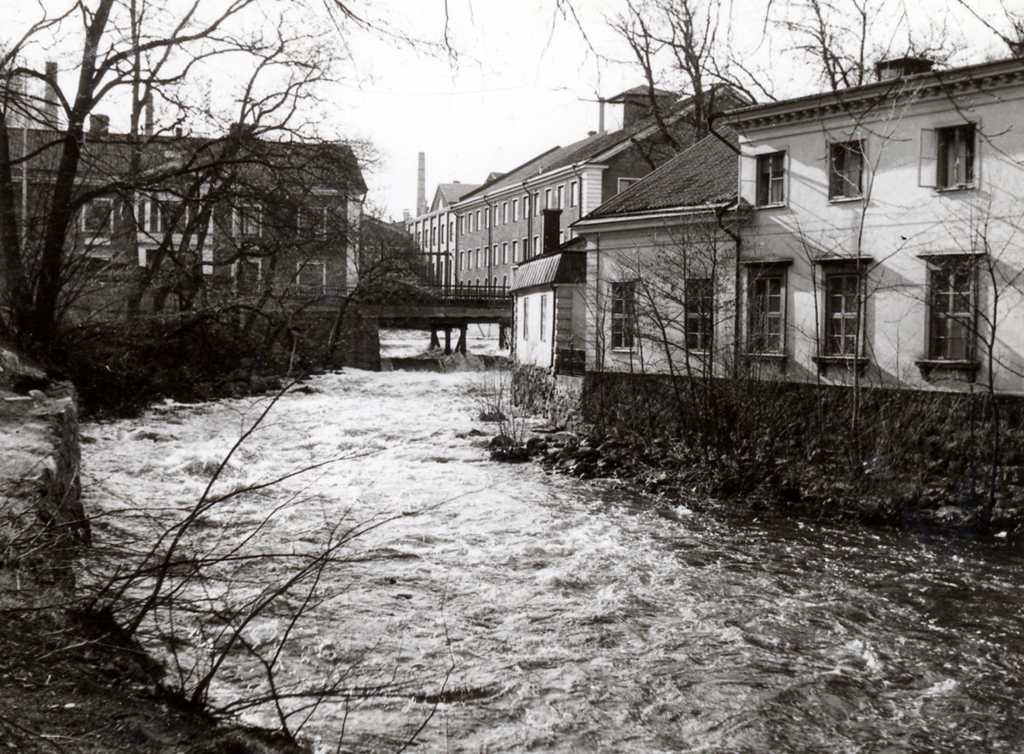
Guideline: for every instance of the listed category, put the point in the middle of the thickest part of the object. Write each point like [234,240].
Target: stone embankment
[40,490]
[938,474]
[72,680]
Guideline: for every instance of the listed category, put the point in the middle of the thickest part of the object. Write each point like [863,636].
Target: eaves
[652,218]
[857,100]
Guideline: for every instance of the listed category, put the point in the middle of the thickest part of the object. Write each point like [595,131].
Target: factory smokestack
[421,186]
[51,105]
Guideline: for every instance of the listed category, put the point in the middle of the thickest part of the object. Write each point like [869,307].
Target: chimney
[421,185]
[897,68]
[148,122]
[51,106]
[99,125]
[551,221]
[636,103]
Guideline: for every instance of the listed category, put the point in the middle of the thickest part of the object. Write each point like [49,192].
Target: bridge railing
[469,298]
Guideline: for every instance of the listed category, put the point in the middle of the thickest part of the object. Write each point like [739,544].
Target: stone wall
[42,520]
[557,397]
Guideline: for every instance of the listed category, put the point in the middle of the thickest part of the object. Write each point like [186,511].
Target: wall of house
[533,344]
[663,258]
[898,224]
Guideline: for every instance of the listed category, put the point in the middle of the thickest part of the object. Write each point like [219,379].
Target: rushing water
[535,612]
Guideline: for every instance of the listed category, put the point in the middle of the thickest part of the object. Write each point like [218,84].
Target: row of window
[434,234]
[951,311]
[948,157]
[509,211]
[498,254]
[159,216]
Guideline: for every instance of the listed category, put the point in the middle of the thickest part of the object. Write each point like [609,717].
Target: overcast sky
[525,80]
[522,78]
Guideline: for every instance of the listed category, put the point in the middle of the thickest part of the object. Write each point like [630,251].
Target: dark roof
[580,151]
[705,174]
[449,193]
[557,267]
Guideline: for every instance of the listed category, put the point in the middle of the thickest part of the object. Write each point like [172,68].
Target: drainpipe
[737,279]
[598,356]
[490,243]
[554,320]
[529,221]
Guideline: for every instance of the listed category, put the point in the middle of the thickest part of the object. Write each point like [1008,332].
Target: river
[505,609]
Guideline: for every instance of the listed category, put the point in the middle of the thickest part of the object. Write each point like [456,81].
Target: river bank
[510,609]
[927,459]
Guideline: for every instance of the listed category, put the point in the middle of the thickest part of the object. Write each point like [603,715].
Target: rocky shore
[672,473]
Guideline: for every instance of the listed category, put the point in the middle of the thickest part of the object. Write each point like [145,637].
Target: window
[952,296]
[462,260]
[547,199]
[561,197]
[248,221]
[536,203]
[698,307]
[574,193]
[98,217]
[477,227]
[515,252]
[249,274]
[526,317]
[625,183]
[623,314]
[956,157]
[504,213]
[478,259]
[515,210]
[543,317]
[771,179]
[846,170]
[766,311]
[504,252]
[310,276]
[842,316]
[536,245]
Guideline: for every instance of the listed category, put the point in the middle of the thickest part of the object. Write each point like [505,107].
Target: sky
[518,78]
[526,78]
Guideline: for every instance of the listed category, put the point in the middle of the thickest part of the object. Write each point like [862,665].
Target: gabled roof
[449,193]
[704,175]
[592,148]
[563,266]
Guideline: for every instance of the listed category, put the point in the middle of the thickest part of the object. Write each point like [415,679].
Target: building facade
[499,224]
[885,245]
[871,236]
[435,233]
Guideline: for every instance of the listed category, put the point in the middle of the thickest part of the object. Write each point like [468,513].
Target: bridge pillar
[461,345]
[502,337]
[434,342]
[447,341]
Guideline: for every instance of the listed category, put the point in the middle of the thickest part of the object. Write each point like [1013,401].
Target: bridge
[433,309]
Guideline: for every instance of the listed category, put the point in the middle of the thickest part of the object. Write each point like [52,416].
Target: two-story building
[871,235]
[885,242]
